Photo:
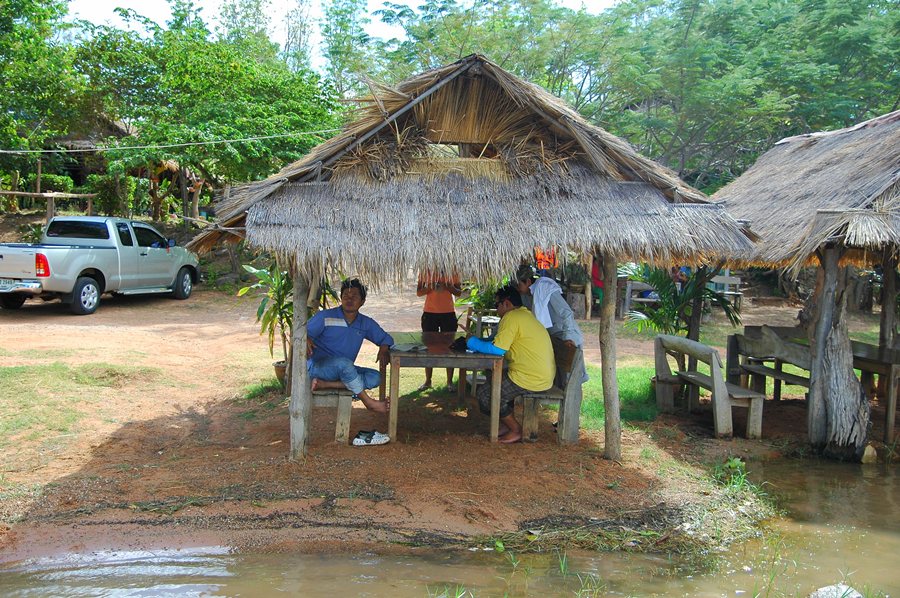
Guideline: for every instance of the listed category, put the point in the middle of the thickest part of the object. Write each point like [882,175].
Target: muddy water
[842,522]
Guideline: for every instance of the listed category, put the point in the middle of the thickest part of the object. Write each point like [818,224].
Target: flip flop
[370,438]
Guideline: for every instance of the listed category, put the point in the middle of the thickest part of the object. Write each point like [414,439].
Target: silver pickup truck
[82,257]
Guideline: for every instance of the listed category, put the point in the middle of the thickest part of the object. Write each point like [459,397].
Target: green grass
[637,401]
[49,399]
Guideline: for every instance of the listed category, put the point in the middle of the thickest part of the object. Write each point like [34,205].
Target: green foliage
[30,233]
[50,182]
[276,306]
[115,193]
[478,296]
[672,312]
[732,473]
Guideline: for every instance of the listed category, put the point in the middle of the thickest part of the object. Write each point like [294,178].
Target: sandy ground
[172,455]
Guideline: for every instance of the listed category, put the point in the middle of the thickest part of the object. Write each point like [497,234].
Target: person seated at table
[439,314]
[334,338]
[528,356]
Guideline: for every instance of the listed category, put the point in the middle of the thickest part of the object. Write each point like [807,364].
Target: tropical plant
[276,306]
[671,314]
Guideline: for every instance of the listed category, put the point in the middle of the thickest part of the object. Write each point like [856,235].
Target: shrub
[115,193]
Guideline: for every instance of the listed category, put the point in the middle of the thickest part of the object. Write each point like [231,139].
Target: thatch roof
[468,168]
[834,187]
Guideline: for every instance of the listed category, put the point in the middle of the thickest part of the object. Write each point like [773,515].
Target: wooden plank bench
[725,395]
[566,391]
[731,286]
[749,353]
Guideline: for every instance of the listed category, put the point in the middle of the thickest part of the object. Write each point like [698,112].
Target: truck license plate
[6,283]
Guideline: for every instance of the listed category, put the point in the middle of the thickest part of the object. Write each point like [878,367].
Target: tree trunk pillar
[301,396]
[612,425]
[838,410]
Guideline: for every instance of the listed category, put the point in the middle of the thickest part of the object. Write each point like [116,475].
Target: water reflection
[842,520]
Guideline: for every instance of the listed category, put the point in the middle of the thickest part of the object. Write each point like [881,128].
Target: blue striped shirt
[333,336]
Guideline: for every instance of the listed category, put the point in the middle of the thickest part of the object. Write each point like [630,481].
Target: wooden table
[438,355]
[871,359]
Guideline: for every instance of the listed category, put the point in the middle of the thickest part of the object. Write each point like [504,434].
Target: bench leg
[342,419]
[570,413]
[665,396]
[754,418]
[758,383]
[777,381]
[530,419]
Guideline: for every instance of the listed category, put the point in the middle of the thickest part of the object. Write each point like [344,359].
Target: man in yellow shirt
[528,355]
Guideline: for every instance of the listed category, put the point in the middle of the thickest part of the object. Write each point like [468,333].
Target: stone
[869,455]
[838,590]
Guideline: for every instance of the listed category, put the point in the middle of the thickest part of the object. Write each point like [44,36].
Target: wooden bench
[566,391]
[725,395]
[632,295]
[749,353]
[341,399]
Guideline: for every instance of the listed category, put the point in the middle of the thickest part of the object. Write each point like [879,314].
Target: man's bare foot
[314,385]
[503,430]
[425,386]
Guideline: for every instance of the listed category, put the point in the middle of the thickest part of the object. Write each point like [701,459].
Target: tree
[346,44]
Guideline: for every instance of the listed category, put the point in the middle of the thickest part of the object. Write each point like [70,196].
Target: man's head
[507,299]
[353,295]
[525,276]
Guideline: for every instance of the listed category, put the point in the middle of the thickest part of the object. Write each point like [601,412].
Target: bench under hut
[830,199]
[466,168]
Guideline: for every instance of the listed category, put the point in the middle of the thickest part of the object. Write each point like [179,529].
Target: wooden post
[589,287]
[613,425]
[838,407]
[888,300]
[301,396]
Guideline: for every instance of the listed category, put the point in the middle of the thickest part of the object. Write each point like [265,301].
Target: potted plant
[276,310]
[576,276]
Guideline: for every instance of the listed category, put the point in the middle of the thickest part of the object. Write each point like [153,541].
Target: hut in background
[831,199]
[466,168]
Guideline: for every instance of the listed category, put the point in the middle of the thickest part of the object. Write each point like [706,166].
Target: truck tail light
[41,265]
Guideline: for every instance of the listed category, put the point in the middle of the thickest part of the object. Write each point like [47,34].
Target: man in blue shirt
[334,338]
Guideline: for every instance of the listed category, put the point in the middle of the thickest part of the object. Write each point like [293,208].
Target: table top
[437,345]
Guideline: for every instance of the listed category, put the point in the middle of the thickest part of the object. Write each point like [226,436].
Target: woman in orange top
[439,314]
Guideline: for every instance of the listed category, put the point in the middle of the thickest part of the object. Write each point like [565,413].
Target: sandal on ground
[370,438]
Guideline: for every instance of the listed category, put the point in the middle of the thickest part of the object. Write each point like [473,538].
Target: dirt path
[172,455]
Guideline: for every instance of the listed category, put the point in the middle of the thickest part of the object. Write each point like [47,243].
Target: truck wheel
[12,300]
[85,296]
[184,284]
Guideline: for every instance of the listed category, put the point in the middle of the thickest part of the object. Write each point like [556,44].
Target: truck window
[124,234]
[149,238]
[78,229]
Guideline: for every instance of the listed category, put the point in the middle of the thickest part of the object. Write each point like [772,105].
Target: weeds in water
[563,562]
[448,591]
[591,585]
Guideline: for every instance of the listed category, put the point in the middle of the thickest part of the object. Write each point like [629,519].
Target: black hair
[526,272]
[354,284]
[508,292]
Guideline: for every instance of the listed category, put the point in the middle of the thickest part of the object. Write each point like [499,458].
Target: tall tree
[346,44]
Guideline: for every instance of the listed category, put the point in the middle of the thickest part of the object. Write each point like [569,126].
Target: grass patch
[637,401]
[49,399]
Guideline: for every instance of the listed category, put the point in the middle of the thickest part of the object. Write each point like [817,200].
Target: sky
[102,12]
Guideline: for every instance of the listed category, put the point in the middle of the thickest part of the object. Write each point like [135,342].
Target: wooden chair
[566,391]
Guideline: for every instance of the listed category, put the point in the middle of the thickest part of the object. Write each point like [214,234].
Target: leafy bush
[115,193]
[51,182]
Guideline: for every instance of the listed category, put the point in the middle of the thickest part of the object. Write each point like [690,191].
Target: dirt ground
[173,455]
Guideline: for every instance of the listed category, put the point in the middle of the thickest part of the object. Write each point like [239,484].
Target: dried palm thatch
[835,187]
[480,228]
[526,170]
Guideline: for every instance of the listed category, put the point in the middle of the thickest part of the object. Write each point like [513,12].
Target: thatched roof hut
[836,186]
[468,168]
[831,198]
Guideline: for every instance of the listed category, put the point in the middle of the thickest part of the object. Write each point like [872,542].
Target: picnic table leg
[395,398]
[890,414]
[496,379]
[461,388]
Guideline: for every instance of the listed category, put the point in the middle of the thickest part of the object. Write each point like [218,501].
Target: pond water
[842,523]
